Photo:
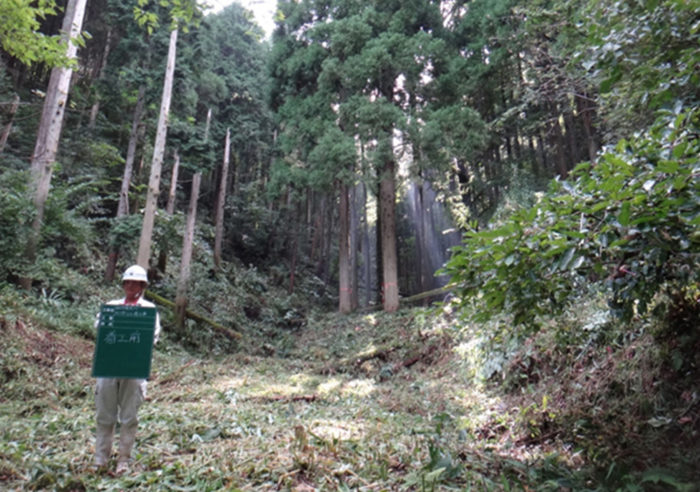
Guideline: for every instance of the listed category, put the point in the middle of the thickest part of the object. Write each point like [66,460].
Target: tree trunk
[170,208]
[387,211]
[294,249]
[354,248]
[123,206]
[316,228]
[534,157]
[573,155]
[317,249]
[8,126]
[366,249]
[344,298]
[188,240]
[94,111]
[543,153]
[172,191]
[50,126]
[421,242]
[221,201]
[586,109]
[157,162]
[560,145]
[327,243]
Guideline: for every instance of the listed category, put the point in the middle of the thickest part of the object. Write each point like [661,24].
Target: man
[118,399]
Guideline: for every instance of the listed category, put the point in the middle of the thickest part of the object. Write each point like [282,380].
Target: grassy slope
[371,402]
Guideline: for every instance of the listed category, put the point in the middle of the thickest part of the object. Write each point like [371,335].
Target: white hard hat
[135,272]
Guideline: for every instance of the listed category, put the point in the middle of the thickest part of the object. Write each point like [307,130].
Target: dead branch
[172,375]
[231,334]
[283,398]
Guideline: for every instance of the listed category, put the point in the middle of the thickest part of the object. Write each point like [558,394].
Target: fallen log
[232,334]
[426,294]
[283,398]
[410,299]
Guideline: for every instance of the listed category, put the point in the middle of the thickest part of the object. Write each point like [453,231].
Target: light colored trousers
[117,400]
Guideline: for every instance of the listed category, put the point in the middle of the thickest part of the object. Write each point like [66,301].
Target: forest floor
[366,402]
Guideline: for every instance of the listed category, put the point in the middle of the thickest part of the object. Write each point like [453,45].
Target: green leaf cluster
[21,37]
[643,56]
[626,224]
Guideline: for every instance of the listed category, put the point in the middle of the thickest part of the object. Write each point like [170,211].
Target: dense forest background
[525,172]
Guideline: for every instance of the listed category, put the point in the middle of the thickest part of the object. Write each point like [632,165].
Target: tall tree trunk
[170,208]
[317,244]
[344,298]
[50,126]
[221,201]
[326,244]
[144,253]
[387,211]
[543,152]
[366,249]
[421,243]
[354,248]
[123,206]
[534,157]
[10,120]
[187,242]
[573,155]
[172,191]
[560,146]
[94,111]
[294,250]
[586,108]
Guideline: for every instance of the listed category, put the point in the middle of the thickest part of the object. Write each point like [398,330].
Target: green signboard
[124,342]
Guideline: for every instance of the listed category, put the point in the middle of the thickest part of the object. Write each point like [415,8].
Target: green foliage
[255,227]
[183,14]
[67,232]
[642,55]
[15,220]
[20,35]
[333,158]
[67,226]
[628,224]
[125,230]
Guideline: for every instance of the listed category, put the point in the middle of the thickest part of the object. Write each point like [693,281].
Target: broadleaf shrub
[626,224]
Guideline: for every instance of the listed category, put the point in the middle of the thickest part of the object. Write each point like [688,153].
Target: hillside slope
[367,402]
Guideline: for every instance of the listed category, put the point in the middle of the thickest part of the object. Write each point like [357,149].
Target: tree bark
[421,242]
[344,297]
[157,162]
[170,208]
[366,249]
[387,211]
[172,191]
[316,228]
[187,242]
[10,120]
[294,249]
[327,244]
[94,111]
[560,145]
[354,248]
[50,126]
[221,201]
[123,206]
[586,108]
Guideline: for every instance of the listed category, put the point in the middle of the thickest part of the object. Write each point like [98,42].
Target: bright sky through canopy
[264,10]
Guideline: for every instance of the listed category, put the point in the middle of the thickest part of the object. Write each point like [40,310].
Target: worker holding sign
[124,335]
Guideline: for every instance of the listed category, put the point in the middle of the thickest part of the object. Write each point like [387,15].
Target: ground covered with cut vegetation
[372,401]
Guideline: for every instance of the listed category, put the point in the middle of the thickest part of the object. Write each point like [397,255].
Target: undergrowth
[366,402]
